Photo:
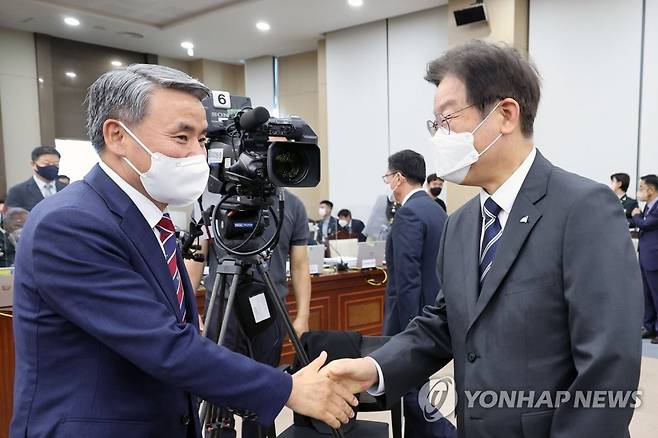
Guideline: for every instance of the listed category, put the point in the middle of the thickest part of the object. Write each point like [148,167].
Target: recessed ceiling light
[355,3]
[116,63]
[41,80]
[71,21]
[71,74]
[187,45]
[263,26]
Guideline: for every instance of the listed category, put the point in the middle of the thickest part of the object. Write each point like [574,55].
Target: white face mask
[173,181]
[456,153]
[322,212]
[343,223]
[390,191]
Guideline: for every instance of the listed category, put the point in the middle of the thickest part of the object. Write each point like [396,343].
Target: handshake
[326,392]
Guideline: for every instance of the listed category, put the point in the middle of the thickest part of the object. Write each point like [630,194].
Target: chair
[305,427]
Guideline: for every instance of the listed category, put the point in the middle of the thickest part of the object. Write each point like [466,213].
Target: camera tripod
[217,422]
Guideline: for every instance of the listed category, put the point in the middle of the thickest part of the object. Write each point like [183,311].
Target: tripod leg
[220,280]
[229,308]
[283,313]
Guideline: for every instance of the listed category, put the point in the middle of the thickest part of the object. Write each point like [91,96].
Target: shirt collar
[41,183]
[149,210]
[411,193]
[507,193]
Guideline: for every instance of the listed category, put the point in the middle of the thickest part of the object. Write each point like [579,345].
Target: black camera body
[251,155]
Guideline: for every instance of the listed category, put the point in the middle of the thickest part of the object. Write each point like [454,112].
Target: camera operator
[265,347]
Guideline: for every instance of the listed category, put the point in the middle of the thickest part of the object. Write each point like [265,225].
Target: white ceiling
[222,30]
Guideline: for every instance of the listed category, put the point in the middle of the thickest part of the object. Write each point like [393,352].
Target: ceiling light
[190,52]
[116,63]
[263,26]
[355,3]
[41,80]
[71,74]
[187,45]
[71,21]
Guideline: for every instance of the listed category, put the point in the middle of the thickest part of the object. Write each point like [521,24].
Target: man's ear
[511,112]
[115,137]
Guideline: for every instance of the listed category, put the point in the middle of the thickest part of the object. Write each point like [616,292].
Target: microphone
[251,120]
[342,266]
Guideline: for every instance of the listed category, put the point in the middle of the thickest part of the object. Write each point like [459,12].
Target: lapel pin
[524,220]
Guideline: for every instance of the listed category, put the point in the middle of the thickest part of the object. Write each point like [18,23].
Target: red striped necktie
[168,239]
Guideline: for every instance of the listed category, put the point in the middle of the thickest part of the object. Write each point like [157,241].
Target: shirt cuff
[379,389]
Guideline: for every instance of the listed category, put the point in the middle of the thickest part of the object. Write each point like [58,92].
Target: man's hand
[300,325]
[356,375]
[315,395]
[636,211]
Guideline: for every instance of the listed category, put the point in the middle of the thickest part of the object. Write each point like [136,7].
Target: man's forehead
[450,93]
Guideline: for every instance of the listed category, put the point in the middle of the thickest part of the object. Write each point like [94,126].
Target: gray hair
[13,218]
[124,94]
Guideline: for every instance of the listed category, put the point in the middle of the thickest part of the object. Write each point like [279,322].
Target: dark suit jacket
[332,228]
[629,204]
[441,203]
[411,250]
[100,347]
[355,228]
[558,311]
[27,194]
[648,244]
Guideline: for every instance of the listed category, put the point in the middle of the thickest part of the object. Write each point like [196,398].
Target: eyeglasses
[442,121]
[387,176]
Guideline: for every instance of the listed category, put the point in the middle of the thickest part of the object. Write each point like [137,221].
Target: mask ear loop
[139,142]
[373,282]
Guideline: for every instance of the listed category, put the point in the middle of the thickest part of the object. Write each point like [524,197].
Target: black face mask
[49,173]
[435,191]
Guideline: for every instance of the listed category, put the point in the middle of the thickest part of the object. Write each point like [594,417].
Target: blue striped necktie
[492,233]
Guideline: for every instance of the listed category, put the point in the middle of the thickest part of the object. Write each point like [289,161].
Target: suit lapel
[138,231]
[517,229]
[34,190]
[470,238]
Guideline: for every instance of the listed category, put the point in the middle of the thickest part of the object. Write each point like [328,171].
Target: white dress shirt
[47,188]
[504,197]
[149,210]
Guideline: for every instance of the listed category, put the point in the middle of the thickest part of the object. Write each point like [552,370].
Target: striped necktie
[168,240]
[492,233]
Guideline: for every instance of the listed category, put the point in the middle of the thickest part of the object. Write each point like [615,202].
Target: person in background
[14,220]
[412,248]
[353,227]
[619,183]
[42,184]
[434,188]
[647,222]
[2,212]
[327,224]
[64,180]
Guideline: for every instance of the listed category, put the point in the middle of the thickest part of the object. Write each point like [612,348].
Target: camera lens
[290,166]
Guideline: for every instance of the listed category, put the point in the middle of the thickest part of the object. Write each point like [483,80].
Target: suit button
[472,357]
[185,420]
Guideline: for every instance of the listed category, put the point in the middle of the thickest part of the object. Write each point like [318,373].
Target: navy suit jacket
[412,249]
[355,228]
[100,347]
[648,244]
[27,194]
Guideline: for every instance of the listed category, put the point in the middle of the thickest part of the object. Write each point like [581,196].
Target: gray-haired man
[107,341]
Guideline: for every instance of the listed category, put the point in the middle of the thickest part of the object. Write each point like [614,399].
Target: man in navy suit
[43,183]
[647,222]
[105,321]
[412,249]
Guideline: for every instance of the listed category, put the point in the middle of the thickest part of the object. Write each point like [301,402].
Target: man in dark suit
[352,227]
[411,250]
[647,222]
[105,321]
[327,224]
[43,183]
[619,183]
[541,288]
[434,188]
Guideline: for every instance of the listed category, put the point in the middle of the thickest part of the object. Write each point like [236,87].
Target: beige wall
[508,22]
[19,102]
[302,92]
